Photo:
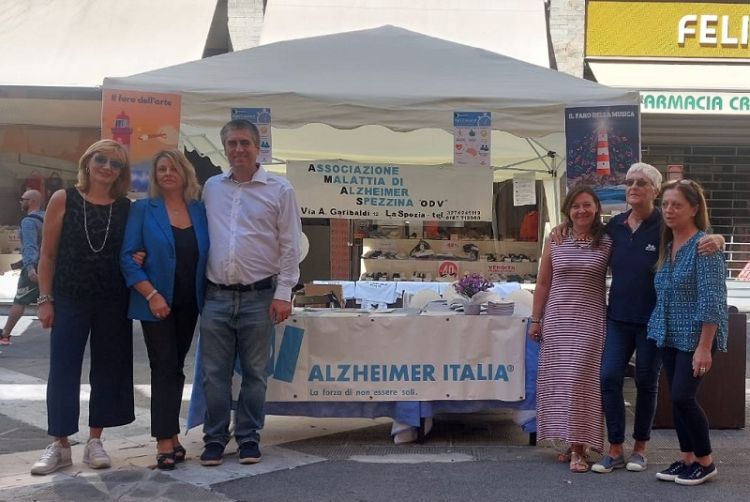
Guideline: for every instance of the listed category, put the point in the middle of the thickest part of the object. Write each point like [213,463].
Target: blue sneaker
[696,474]
[213,454]
[671,472]
[608,464]
[249,453]
[637,463]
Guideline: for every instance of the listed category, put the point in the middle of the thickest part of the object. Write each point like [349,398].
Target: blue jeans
[690,421]
[111,373]
[622,340]
[235,326]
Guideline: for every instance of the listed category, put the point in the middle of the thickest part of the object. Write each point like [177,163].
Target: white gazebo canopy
[380,95]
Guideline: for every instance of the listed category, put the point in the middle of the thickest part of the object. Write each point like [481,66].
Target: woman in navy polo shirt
[635,249]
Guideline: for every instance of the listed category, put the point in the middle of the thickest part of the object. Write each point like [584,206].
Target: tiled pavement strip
[288,442]
[132,448]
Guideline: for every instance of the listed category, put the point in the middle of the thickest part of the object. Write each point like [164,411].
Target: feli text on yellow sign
[668,30]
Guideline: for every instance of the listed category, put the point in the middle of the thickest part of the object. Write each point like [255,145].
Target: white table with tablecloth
[395,363]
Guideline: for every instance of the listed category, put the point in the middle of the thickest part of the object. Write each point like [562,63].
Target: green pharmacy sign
[694,103]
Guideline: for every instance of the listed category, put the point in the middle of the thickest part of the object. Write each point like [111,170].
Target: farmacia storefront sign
[695,103]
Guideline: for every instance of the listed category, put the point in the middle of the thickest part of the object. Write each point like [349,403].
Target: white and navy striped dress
[569,406]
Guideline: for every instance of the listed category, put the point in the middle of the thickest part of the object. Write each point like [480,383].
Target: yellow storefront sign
[668,30]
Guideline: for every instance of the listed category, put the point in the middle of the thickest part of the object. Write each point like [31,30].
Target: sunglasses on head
[684,181]
[639,182]
[102,160]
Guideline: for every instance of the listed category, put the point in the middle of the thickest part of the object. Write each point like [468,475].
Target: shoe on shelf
[94,455]
[213,454]
[671,472]
[608,464]
[55,456]
[636,463]
[696,474]
[249,453]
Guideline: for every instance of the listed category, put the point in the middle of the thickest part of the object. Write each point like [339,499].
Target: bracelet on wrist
[535,321]
[44,299]
[151,295]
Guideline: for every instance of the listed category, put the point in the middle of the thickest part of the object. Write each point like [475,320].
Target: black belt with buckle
[262,284]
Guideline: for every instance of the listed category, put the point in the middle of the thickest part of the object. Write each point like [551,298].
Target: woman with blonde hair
[82,294]
[167,290]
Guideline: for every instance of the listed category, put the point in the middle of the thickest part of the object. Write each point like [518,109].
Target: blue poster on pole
[601,144]
[261,117]
[472,132]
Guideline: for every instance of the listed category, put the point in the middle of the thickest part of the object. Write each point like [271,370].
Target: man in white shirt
[254,227]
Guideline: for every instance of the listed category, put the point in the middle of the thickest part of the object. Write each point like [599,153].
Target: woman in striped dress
[569,319]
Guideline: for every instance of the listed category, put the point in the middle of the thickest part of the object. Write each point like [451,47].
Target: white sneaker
[94,455]
[55,457]
[406,436]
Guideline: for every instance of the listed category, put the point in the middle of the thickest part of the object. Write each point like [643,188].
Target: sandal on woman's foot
[578,462]
[4,339]
[165,461]
[564,456]
[179,453]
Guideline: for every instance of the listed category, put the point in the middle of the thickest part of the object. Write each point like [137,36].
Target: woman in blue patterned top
[688,323]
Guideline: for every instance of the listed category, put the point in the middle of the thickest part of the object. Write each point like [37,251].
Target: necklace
[584,236]
[178,208]
[86,226]
[581,240]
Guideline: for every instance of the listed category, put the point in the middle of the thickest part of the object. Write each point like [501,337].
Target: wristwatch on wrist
[44,299]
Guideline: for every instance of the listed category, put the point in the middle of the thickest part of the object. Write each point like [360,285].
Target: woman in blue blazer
[167,290]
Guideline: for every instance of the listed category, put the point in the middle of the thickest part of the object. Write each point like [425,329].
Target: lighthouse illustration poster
[601,144]
[144,123]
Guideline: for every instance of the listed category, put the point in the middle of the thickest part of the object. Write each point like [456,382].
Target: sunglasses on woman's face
[639,182]
[101,160]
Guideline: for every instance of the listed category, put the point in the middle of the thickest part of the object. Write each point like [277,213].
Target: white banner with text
[339,189]
[393,357]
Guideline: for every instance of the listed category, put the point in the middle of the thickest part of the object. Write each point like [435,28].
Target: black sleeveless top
[80,271]
[186,254]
